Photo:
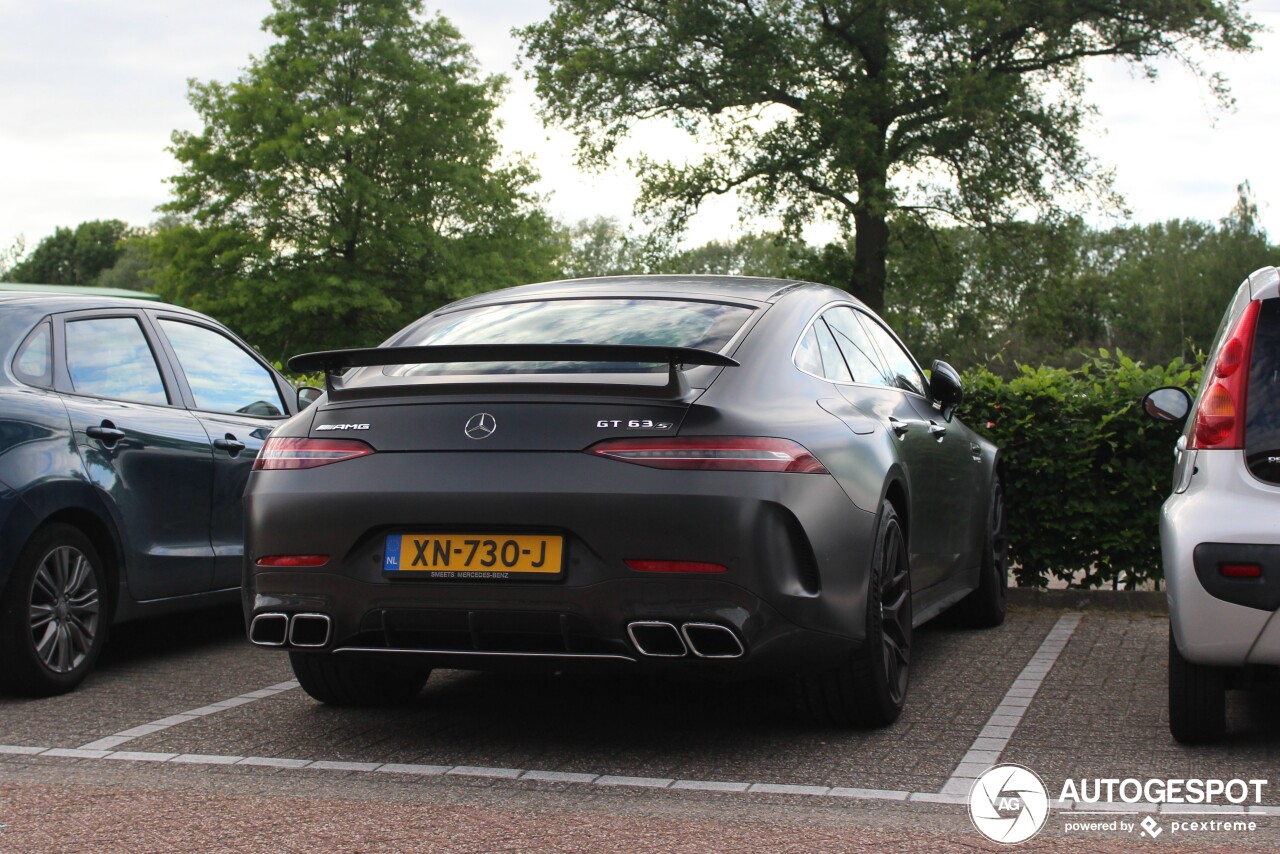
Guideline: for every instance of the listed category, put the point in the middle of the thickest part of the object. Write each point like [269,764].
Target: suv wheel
[53,618]
[1197,699]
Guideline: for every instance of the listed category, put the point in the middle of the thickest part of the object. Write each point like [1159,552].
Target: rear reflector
[1240,570]
[307,453]
[728,453]
[293,560]
[675,566]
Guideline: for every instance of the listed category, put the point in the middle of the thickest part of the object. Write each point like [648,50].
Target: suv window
[34,362]
[1262,427]
[109,357]
[222,376]
[833,364]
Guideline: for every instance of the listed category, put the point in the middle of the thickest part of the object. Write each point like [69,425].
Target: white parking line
[994,737]
[285,764]
[114,741]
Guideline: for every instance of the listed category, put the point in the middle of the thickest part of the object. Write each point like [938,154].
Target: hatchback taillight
[729,453]
[307,453]
[1220,414]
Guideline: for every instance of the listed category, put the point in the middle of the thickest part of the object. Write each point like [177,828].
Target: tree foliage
[348,181]
[970,108]
[71,256]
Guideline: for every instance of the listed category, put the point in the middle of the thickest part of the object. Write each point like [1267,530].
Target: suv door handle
[899,428]
[937,431]
[230,444]
[106,433]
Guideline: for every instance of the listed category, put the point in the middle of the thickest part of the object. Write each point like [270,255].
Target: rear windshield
[663,322]
[1262,432]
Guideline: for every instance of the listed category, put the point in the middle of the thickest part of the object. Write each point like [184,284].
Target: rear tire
[870,688]
[54,613]
[986,606]
[1197,699]
[357,682]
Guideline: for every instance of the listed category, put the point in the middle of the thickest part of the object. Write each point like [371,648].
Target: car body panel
[147,502]
[795,547]
[1217,499]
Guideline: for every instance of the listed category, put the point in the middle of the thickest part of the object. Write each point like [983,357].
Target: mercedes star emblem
[481,426]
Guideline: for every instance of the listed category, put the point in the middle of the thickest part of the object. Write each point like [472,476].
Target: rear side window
[1262,429]
[663,322]
[34,362]
[110,357]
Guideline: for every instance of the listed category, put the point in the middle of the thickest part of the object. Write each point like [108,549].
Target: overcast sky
[93,89]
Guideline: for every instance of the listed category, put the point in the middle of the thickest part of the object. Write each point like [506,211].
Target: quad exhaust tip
[711,640]
[657,639]
[269,629]
[307,631]
[662,639]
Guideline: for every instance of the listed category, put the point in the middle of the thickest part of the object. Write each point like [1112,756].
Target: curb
[1141,601]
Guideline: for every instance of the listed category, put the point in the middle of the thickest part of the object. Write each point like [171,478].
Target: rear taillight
[307,453]
[729,453]
[1220,414]
[1240,570]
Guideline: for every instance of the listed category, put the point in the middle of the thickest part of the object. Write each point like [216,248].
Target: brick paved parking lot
[186,738]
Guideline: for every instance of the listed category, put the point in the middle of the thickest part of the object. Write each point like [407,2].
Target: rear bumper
[1225,515]
[795,547]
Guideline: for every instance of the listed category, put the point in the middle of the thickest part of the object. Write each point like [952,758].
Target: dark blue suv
[127,432]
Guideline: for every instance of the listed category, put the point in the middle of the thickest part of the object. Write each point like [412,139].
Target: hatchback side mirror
[1169,404]
[945,388]
[308,395]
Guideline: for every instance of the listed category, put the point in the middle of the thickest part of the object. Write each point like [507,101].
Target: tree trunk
[870,251]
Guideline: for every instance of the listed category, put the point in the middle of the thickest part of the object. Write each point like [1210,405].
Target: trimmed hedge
[1085,469]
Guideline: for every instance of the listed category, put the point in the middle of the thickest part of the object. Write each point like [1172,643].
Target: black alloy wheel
[870,688]
[52,617]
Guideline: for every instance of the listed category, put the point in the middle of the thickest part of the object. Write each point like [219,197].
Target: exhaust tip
[309,630]
[269,629]
[657,639]
[711,640]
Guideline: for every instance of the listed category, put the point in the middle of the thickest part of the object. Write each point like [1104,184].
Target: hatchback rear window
[661,322]
[1262,430]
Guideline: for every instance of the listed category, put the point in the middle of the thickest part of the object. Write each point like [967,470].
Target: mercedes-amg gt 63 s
[678,473]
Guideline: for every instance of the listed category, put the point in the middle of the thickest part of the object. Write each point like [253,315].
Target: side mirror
[1169,404]
[945,388]
[308,395]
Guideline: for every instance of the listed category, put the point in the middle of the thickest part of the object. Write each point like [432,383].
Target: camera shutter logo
[1008,803]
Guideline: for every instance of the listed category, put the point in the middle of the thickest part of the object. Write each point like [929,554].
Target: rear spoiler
[333,362]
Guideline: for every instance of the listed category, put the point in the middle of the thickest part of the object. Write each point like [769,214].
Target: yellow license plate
[474,555]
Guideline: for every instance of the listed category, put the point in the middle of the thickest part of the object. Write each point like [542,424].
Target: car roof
[734,288]
[98,298]
[76,290]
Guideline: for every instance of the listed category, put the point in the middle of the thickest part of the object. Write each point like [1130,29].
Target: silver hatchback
[1220,529]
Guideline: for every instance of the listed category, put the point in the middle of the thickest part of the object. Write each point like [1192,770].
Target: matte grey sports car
[697,473]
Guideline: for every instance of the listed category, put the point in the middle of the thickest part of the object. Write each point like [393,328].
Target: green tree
[348,181]
[600,247]
[72,256]
[968,108]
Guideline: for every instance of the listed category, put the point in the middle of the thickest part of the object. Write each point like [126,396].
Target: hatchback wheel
[870,688]
[52,617]
[340,681]
[1197,699]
